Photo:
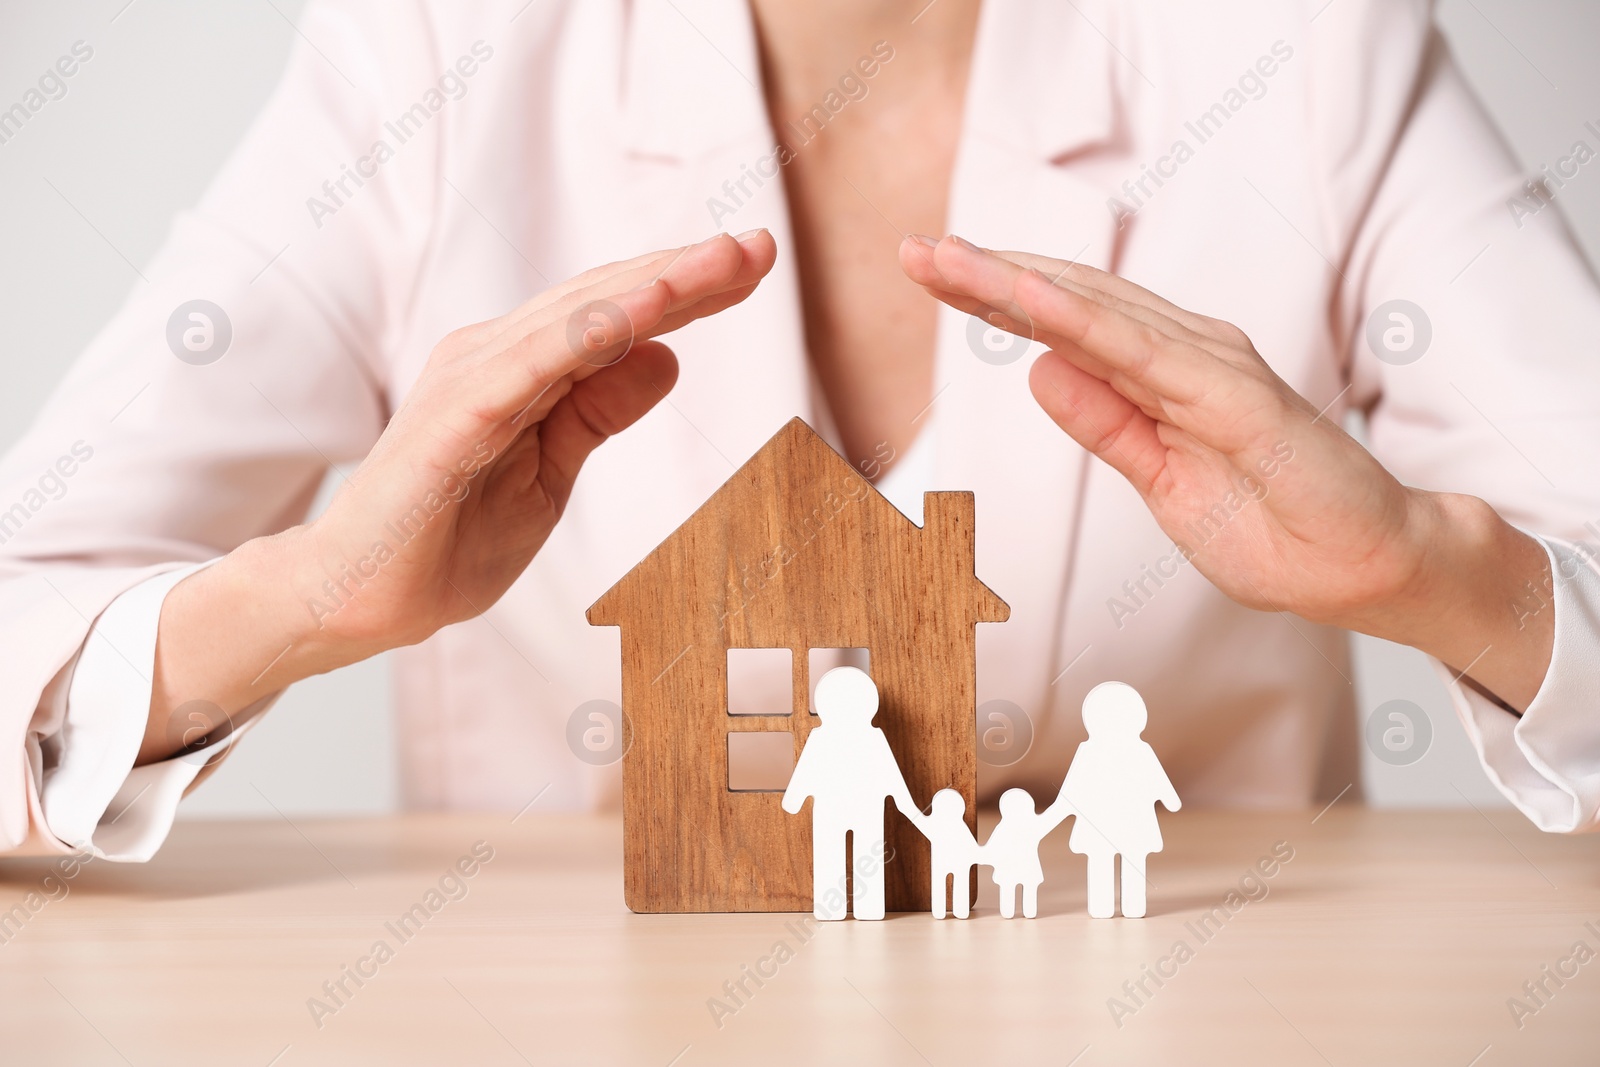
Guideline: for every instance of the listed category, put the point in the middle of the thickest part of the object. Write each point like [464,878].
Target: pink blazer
[432,164]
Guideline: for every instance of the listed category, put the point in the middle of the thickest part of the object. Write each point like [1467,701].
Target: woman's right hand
[456,496]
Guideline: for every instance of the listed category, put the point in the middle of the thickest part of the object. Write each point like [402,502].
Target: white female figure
[1112,786]
[1013,849]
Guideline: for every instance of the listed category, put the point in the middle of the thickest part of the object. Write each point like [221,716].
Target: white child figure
[955,852]
[1013,849]
[1113,785]
[847,768]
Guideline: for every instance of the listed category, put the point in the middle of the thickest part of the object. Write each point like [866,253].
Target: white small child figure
[1113,785]
[1013,849]
[955,852]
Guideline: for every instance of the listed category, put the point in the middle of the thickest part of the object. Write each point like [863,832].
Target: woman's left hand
[1272,501]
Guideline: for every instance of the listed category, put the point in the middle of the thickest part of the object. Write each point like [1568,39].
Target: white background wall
[174,83]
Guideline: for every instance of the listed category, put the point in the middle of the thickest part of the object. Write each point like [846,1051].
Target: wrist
[1468,602]
[239,630]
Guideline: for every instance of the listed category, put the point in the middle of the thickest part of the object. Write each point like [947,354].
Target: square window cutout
[822,660]
[760,762]
[760,681]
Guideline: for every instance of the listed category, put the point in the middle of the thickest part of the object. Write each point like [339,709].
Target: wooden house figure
[796,551]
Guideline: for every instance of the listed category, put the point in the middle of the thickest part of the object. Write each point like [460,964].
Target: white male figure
[847,769]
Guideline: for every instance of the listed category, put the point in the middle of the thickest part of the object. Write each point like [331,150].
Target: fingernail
[964,243]
[746,235]
[924,239]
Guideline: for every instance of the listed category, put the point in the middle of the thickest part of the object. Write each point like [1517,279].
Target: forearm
[232,634]
[1480,603]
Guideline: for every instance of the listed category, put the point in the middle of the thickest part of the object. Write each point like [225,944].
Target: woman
[1173,480]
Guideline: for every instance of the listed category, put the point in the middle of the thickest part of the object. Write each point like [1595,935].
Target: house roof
[771,472]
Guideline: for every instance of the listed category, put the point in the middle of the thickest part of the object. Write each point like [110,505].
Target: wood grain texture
[795,551]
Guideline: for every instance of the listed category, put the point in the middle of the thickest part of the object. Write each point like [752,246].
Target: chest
[855,188]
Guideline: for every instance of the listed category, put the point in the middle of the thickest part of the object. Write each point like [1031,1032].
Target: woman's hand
[458,494]
[1273,502]
[496,428]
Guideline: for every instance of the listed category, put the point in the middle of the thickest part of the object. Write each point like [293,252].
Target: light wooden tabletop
[1387,938]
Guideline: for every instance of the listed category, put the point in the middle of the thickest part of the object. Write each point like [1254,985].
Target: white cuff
[1547,761]
[92,796]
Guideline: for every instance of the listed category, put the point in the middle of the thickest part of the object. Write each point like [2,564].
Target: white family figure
[1112,786]
[847,769]
[955,852]
[1013,849]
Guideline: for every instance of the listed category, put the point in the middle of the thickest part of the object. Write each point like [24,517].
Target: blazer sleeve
[174,438]
[1491,385]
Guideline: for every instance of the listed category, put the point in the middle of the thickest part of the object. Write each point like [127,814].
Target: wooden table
[1387,938]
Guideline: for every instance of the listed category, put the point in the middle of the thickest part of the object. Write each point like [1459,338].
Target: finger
[993,278]
[1086,277]
[600,331]
[1173,368]
[711,305]
[959,262]
[690,273]
[1159,365]
[758,253]
[1100,419]
[975,307]
[1115,342]
[600,406]
[996,303]
[917,261]
[920,261]
[506,380]
[1225,406]
[543,305]
[1015,319]
[627,274]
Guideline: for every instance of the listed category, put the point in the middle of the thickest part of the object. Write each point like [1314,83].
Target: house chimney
[947,524]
